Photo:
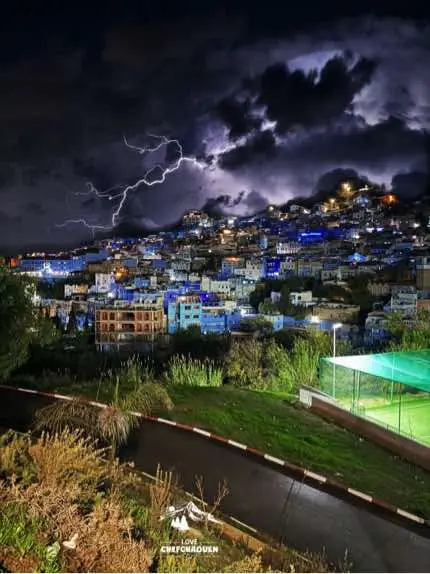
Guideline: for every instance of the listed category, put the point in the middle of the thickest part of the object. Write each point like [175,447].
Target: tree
[47,331]
[113,423]
[256,326]
[72,325]
[267,307]
[257,296]
[305,356]
[18,321]
[406,339]
[244,363]
[276,360]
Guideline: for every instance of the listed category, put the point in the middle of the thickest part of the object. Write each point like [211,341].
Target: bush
[276,368]
[244,363]
[82,513]
[191,372]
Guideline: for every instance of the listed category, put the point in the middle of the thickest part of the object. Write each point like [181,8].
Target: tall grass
[183,370]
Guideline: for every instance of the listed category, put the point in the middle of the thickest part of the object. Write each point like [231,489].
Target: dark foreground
[301,516]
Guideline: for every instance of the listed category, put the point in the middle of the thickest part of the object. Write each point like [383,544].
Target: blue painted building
[276,320]
[229,266]
[272,267]
[309,237]
[213,320]
[53,266]
[159,264]
[184,312]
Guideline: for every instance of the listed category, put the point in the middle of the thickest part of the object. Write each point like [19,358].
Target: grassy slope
[275,426]
[271,423]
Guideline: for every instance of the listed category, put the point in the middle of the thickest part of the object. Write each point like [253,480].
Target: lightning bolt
[122,192]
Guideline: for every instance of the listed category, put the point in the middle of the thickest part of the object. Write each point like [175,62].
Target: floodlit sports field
[414,415]
[390,389]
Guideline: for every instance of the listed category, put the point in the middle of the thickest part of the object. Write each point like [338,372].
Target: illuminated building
[229,265]
[194,217]
[128,323]
[184,312]
[389,199]
[423,273]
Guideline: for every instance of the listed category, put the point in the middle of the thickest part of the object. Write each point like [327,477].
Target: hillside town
[352,259]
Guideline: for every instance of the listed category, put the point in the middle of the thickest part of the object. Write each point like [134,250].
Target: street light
[335,327]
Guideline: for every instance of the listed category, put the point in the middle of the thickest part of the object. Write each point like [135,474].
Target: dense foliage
[66,508]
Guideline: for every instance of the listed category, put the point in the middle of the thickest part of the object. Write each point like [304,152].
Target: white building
[103,282]
[302,298]
[216,286]
[253,270]
[404,302]
[288,247]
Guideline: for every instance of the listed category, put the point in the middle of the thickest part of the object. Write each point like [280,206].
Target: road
[263,497]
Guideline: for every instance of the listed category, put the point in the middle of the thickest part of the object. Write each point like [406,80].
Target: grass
[414,417]
[273,424]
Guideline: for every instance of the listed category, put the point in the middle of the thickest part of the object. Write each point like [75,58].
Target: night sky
[268,101]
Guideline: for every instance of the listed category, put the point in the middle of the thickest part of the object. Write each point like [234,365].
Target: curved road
[301,516]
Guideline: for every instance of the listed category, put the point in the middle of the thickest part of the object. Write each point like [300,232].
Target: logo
[180,519]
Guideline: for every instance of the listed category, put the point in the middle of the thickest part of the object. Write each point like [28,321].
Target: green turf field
[414,417]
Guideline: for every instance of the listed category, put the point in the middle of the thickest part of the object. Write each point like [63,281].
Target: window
[112,316]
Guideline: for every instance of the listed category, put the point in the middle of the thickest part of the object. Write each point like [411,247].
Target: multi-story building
[302,298]
[304,268]
[184,312]
[378,289]
[272,267]
[75,290]
[229,265]
[326,311]
[104,282]
[124,323]
[213,320]
[403,301]
[51,266]
[219,287]
[288,247]
[194,217]
[253,270]
[423,273]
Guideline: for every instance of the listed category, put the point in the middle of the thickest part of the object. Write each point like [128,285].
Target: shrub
[191,372]
[276,368]
[244,363]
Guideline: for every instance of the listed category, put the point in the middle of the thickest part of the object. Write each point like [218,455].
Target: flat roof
[410,368]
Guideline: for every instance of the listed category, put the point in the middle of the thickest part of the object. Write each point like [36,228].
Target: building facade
[129,323]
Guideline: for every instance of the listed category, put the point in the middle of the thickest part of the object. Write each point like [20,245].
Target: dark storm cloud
[294,98]
[260,146]
[329,182]
[34,208]
[250,202]
[371,146]
[8,226]
[412,184]
[66,108]
[299,99]
[237,116]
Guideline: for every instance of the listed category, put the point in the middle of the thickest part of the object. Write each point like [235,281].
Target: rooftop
[411,368]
